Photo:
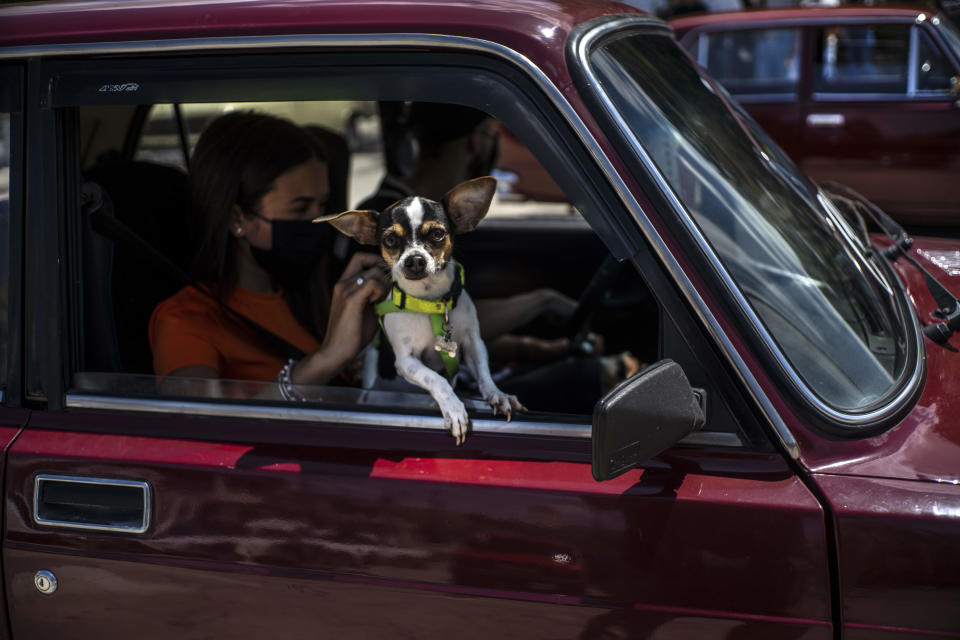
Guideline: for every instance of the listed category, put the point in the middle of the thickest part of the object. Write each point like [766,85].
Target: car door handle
[826,120]
[103,504]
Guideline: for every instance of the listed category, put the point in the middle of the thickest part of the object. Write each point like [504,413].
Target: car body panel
[896,540]
[12,422]
[901,151]
[532,28]
[344,527]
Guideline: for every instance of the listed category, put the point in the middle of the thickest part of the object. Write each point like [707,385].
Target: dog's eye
[437,234]
[390,241]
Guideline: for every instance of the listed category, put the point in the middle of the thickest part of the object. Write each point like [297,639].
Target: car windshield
[831,315]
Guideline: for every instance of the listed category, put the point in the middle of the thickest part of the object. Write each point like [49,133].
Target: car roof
[793,14]
[536,28]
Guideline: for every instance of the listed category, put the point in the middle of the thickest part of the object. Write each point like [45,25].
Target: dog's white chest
[414,333]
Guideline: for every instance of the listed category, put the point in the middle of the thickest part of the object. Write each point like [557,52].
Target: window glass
[862,59]
[760,61]
[933,69]
[837,326]
[950,32]
[5,152]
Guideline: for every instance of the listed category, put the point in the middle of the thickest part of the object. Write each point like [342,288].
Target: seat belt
[111,228]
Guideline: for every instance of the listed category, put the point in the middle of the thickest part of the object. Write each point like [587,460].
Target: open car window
[537,237]
[136,197]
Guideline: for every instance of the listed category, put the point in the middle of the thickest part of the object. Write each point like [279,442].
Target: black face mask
[297,246]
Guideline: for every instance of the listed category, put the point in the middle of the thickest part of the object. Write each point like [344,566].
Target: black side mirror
[645,415]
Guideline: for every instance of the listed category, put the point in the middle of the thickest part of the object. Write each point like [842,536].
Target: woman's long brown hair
[235,162]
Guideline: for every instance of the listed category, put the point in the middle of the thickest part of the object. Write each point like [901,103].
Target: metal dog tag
[446,345]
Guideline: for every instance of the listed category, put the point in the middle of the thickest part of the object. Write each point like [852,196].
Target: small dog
[415,236]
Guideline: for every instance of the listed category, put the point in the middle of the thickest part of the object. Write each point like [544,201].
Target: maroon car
[786,465]
[867,96]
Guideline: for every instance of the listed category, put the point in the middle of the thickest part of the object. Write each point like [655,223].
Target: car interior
[134,161]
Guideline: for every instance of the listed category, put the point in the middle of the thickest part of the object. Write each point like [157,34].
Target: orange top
[189,329]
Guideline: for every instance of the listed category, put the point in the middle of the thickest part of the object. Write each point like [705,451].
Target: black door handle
[104,504]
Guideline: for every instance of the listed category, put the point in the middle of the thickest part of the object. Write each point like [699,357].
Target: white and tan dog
[438,320]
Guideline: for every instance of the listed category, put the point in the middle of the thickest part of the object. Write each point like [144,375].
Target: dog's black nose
[415,264]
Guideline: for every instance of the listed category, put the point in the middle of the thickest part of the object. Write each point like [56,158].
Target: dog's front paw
[504,403]
[455,419]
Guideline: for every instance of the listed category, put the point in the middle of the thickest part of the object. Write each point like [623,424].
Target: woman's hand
[352,321]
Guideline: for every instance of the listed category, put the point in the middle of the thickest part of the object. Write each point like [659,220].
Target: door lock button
[45,582]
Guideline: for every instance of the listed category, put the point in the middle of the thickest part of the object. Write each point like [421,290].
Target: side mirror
[645,415]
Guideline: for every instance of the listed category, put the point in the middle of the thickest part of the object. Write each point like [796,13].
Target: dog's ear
[359,225]
[468,202]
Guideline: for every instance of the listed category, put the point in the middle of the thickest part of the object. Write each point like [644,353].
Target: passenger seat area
[122,285]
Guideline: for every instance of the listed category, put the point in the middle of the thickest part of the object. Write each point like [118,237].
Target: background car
[865,96]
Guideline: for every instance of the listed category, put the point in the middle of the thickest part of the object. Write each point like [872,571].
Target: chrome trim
[826,120]
[359,417]
[535,74]
[703,50]
[136,484]
[845,418]
[821,96]
[750,98]
[912,59]
[225,43]
[297,413]
[230,43]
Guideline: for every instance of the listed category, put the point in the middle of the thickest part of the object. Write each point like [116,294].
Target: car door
[12,415]
[130,513]
[882,117]
[761,66]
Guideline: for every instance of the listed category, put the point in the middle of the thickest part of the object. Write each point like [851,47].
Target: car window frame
[50,375]
[825,418]
[11,103]
[927,29]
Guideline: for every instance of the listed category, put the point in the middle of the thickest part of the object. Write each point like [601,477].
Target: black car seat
[151,200]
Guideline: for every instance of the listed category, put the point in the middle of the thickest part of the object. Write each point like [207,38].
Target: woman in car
[264,309]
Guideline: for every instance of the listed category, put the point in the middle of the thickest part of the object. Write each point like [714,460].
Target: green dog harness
[439,312]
